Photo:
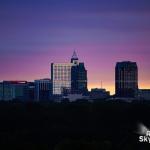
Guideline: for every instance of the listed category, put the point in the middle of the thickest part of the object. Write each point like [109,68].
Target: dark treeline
[72,126]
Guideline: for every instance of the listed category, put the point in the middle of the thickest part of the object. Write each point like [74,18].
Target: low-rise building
[99,94]
[13,90]
[144,94]
[43,89]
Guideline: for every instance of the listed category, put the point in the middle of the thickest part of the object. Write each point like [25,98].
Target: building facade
[31,91]
[1,91]
[61,77]
[68,77]
[144,94]
[126,79]
[43,88]
[79,79]
[13,90]
[99,94]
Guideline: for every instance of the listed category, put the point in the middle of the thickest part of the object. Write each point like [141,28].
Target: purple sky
[34,33]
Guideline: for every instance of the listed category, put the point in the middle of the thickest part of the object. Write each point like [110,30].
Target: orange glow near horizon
[111,88]
[144,85]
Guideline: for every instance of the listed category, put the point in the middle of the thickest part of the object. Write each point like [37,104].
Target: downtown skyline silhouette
[36,33]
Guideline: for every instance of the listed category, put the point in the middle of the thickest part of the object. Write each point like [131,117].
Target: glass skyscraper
[126,79]
[61,77]
[79,79]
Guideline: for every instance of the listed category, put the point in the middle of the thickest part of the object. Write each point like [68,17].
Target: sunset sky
[35,33]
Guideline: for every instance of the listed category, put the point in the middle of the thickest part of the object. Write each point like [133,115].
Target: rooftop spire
[74,56]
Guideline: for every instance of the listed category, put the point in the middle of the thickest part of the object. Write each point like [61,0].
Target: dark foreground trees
[72,126]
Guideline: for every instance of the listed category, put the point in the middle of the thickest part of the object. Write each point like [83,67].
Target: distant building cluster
[69,82]
[69,78]
[25,91]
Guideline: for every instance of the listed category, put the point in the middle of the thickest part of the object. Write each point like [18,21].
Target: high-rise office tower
[61,77]
[68,76]
[126,79]
[79,79]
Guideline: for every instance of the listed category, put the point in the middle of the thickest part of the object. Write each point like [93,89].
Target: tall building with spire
[69,77]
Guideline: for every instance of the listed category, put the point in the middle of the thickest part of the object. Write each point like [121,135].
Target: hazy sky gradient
[34,33]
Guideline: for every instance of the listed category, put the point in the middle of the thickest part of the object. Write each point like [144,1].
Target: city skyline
[36,33]
[65,62]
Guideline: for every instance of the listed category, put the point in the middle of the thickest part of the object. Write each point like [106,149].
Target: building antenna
[101,84]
